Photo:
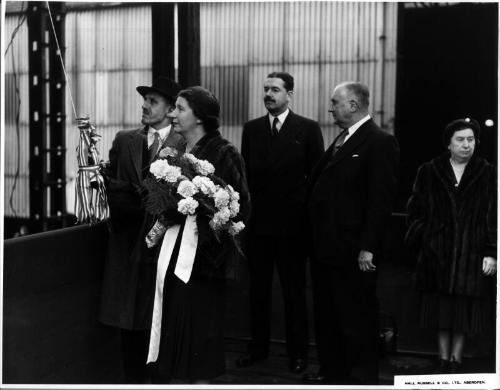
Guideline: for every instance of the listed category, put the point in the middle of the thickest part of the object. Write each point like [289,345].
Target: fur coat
[214,258]
[452,227]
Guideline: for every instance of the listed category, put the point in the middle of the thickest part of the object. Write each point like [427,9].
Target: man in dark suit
[280,149]
[130,268]
[351,193]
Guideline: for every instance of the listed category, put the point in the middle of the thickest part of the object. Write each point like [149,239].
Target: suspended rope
[59,53]
[91,204]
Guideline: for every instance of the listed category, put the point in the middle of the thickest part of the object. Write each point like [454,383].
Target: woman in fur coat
[191,343]
[452,227]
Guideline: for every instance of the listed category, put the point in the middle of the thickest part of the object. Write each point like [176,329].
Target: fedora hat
[164,86]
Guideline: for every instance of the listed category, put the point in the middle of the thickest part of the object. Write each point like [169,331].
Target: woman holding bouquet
[191,337]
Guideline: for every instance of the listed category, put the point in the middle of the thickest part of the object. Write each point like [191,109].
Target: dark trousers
[346,323]
[135,345]
[287,254]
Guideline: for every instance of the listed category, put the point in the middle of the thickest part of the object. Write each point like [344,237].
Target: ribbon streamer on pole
[91,203]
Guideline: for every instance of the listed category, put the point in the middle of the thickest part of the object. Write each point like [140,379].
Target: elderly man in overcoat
[130,267]
[349,205]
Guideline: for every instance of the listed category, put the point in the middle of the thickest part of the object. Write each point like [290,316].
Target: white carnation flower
[168,151]
[234,194]
[204,168]
[204,184]
[161,169]
[186,189]
[223,215]
[234,208]
[187,206]
[221,198]
[215,224]
[236,227]
[219,219]
[172,173]
[158,167]
[190,157]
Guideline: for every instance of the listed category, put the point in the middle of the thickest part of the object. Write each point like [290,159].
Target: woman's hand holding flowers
[181,185]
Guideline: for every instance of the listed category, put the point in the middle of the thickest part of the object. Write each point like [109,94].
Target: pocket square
[355,155]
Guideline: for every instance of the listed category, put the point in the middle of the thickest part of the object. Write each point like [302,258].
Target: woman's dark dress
[452,227]
[192,330]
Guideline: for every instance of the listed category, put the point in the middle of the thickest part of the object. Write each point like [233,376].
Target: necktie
[154,146]
[274,129]
[340,141]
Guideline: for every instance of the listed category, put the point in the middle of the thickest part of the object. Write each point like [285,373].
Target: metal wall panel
[304,34]
[228,83]
[305,99]
[267,34]
[226,41]
[320,43]
[108,53]
[16,153]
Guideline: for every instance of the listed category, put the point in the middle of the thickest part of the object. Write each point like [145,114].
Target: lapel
[280,145]
[173,140]
[350,145]
[263,134]
[136,146]
[473,172]
[444,171]
[320,165]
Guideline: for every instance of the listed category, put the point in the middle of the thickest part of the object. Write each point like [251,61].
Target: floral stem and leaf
[179,185]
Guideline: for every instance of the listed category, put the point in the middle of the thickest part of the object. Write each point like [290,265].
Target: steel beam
[189,43]
[47,176]
[37,123]
[163,39]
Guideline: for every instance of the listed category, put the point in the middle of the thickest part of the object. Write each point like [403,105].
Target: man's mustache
[269,100]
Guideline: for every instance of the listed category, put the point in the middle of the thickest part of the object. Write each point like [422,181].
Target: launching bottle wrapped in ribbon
[91,204]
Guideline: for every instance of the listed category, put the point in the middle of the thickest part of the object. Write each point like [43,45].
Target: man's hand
[489,265]
[365,259]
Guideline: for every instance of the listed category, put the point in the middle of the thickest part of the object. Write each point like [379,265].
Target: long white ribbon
[187,251]
[183,268]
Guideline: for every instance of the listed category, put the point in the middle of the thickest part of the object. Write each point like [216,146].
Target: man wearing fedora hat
[130,269]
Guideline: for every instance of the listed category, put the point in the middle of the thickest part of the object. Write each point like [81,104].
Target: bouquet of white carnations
[179,185]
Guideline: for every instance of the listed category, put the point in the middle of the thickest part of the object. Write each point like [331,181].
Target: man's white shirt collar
[281,117]
[356,126]
[163,132]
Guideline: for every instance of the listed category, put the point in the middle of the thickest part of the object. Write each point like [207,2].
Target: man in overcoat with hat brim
[130,267]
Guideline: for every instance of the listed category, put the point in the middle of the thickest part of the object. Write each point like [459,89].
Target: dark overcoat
[453,227]
[350,201]
[277,172]
[129,280]
[351,196]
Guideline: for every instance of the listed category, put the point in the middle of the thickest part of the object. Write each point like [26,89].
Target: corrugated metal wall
[108,53]
[319,43]
[16,191]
